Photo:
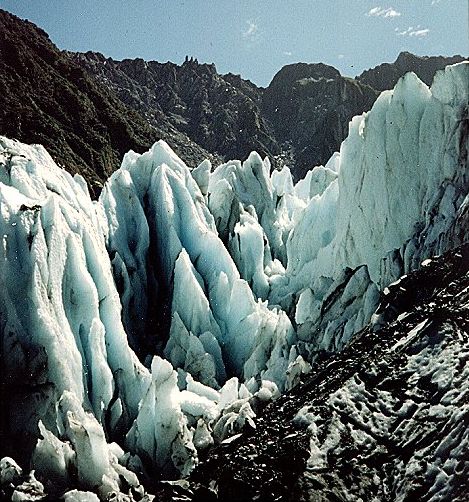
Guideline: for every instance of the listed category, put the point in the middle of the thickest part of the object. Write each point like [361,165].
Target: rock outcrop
[310,106]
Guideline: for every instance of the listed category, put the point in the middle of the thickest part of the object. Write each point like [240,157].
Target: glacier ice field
[142,328]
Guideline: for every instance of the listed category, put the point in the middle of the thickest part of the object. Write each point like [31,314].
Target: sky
[254,38]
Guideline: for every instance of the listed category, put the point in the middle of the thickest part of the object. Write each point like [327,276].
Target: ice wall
[71,384]
[400,196]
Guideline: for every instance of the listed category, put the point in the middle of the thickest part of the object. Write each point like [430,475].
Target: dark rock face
[310,106]
[46,98]
[386,419]
[219,113]
[386,75]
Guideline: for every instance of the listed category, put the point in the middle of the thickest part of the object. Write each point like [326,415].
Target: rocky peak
[291,73]
[192,62]
[386,75]
[310,106]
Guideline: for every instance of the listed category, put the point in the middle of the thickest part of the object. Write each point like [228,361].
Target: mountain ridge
[86,127]
[301,117]
[193,97]
[386,75]
[297,120]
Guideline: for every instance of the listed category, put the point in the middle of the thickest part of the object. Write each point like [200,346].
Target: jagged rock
[220,114]
[84,125]
[100,108]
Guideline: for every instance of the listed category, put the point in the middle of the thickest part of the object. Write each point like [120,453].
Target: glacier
[139,329]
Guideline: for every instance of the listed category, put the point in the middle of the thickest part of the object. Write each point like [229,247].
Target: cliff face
[310,106]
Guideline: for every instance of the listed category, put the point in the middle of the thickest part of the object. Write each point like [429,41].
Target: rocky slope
[45,98]
[89,110]
[303,114]
[387,419]
[220,114]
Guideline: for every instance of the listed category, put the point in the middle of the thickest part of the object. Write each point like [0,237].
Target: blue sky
[254,37]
